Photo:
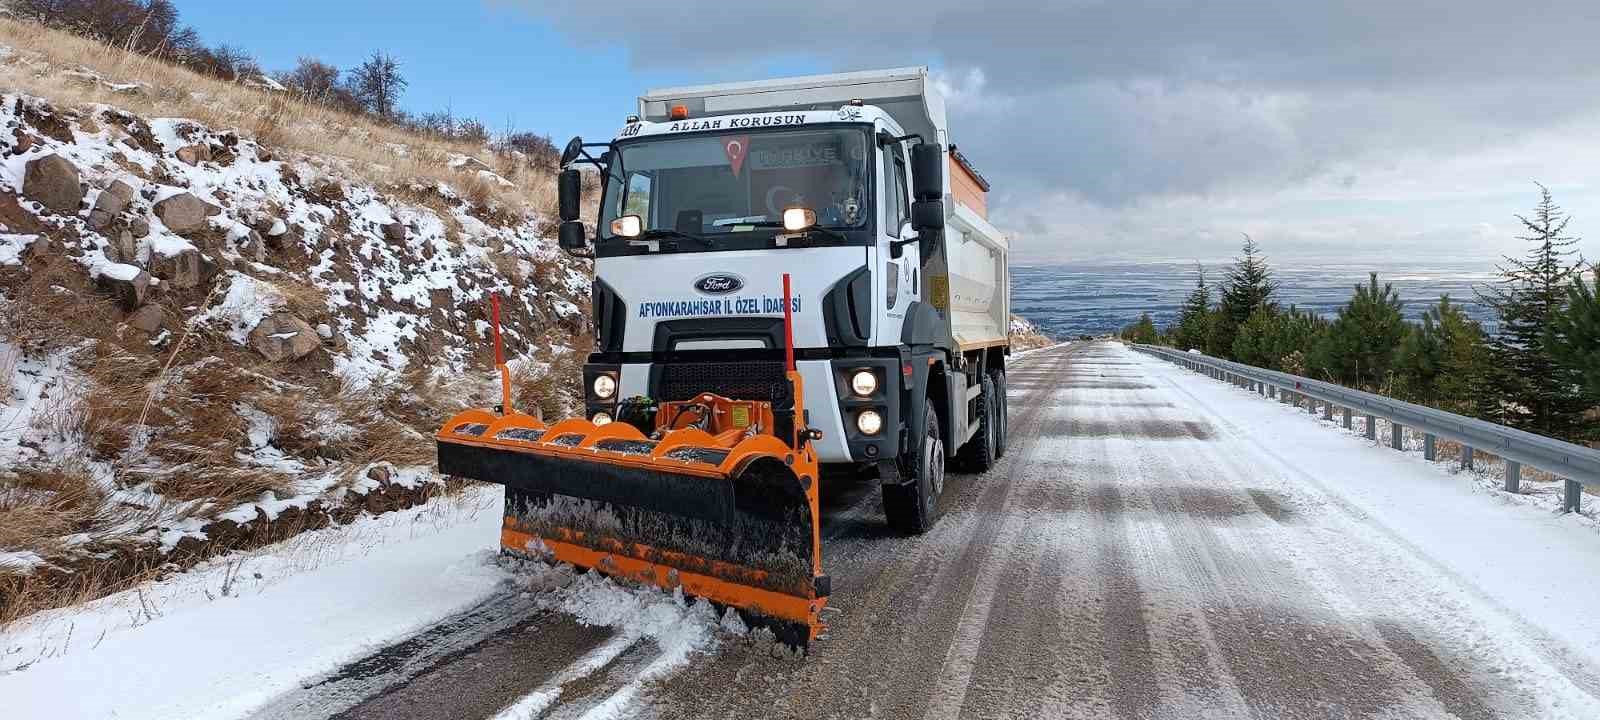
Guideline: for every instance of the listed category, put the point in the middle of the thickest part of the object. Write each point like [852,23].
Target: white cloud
[1151,128]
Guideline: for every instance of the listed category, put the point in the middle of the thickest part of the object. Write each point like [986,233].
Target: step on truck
[794,281]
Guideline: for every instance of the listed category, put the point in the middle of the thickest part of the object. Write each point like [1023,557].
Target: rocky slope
[206,342]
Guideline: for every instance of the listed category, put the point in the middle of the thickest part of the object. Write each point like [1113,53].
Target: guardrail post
[1327,411]
[1372,428]
[1513,477]
[1572,496]
[1430,449]
[1347,423]
[1311,405]
[1396,436]
[1466,457]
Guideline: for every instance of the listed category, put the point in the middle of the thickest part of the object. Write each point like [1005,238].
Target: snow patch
[12,247]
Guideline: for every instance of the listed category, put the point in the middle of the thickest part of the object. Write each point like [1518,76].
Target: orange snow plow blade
[726,513]
[713,495]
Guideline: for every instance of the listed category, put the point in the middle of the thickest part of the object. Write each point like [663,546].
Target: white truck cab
[848,184]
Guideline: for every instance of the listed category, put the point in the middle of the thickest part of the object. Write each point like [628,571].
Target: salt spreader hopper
[713,494]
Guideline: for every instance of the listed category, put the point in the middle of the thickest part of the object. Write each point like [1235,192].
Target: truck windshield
[718,186]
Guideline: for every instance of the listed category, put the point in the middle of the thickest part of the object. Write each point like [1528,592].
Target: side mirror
[573,150]
[927,171]
[569,190]
[927,216]
[571,236]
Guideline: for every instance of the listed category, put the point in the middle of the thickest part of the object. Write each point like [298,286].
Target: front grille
[738,380]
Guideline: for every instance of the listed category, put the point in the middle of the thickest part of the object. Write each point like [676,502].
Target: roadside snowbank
[220,640]
[1539,569]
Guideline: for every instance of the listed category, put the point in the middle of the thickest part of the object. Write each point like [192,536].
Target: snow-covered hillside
[206,342]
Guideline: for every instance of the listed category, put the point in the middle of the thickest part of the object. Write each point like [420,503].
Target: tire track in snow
[894,613]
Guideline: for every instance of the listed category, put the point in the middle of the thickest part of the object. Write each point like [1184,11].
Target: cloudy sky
[1351,130]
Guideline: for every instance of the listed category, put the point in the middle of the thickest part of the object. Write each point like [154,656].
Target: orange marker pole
[788,326]
[500,355]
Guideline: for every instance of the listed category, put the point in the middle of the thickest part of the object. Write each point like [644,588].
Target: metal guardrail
[1575,464]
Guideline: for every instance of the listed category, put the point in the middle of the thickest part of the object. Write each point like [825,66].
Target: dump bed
[969,282]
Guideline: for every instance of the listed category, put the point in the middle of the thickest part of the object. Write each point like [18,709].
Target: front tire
[912,507]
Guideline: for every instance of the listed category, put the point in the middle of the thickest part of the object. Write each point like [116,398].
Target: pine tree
[1420,359]
[1359,347]
[1575,335]
[1194,318]
[1246,286]
[1533,391]
[1143,331]
[1252,344]
[1292,337]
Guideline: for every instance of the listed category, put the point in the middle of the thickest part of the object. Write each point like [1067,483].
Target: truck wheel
[1002,418]
[912,507]
[978,454]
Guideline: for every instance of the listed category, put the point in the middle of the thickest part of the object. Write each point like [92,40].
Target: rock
[25,142]
[378,473]
[282,337]
[139,226]
[325,331]
[125,283]
[252,246]
[194,154]
[124,248]
[208,269]
[183,270]
[53,181]
[184,212]
[147,319]
[467,163]
[112,200]
[263,154]
[395,232]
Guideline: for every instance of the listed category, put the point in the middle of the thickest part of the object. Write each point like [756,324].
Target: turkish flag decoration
[736,147]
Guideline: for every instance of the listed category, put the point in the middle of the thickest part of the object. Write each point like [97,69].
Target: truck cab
[846,183]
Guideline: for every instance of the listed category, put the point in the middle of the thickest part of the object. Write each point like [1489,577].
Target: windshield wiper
[668,233]
[825,232]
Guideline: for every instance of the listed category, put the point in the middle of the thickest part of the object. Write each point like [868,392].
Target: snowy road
[1154,545]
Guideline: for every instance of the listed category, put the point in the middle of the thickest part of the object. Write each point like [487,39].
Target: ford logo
[719,283]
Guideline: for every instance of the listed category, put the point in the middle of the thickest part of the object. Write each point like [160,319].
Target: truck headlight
[869,422]
[605,387]
[601,418]
[864,383]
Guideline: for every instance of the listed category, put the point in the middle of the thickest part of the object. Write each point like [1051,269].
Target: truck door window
[637,201]
[895,208]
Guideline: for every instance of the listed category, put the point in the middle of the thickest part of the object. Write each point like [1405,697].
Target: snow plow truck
[795,281]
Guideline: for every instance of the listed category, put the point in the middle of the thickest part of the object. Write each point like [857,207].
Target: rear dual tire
[982,449]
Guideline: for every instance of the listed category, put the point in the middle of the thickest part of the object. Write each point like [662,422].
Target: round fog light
[601,418]
[869,422]
[863,382]
[605,387]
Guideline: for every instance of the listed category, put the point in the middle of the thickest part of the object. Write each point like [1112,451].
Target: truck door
[902,276]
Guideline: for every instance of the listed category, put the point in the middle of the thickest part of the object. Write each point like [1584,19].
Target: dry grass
[551,386]
[274,119]
[48,502]
[54,307]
